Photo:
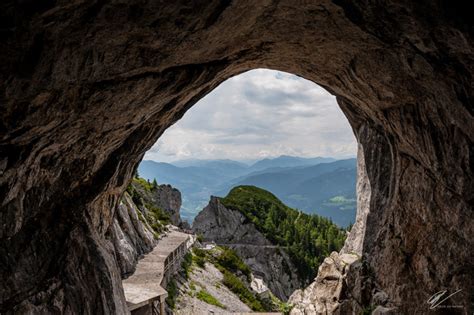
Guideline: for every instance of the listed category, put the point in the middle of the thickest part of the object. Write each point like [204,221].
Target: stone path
[145,283]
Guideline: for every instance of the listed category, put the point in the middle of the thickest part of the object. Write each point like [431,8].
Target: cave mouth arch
[88,88]
[260,114]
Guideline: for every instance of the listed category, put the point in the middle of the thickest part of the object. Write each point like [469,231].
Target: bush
[231,261]
[158,214]
[144,183]
[206,297]
[200,261]
[235,285]
[157,219]
[285,308]
[199,257]
[199,252]
[136,198]
[172,293]
[186,264]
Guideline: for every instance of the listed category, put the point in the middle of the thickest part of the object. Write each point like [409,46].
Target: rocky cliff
[140,220]
[86,87]
[230,228]
[132,235]
[344,285]
[164,197]
[331,289]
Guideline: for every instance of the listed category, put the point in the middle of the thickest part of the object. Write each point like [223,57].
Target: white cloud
[258,114]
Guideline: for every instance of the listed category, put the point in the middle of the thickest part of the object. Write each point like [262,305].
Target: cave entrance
[88,87]
[265,128]
[272,141]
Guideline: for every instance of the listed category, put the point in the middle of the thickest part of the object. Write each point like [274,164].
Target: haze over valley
[319,185]
[270,129]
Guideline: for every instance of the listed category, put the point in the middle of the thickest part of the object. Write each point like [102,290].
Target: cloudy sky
[260,113]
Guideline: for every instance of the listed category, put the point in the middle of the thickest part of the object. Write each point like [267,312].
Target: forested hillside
[313,185]
[306,238]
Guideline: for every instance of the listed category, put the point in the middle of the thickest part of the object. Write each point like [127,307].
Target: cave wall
[86,87]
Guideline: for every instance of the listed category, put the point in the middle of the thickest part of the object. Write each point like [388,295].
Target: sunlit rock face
[134,231]
[230,228]
[324,295]
[87,87]
[165,197]
[131,236]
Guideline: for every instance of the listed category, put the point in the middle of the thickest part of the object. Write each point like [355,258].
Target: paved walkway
[145,283]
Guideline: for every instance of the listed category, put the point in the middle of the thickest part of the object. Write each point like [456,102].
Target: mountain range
[321,185]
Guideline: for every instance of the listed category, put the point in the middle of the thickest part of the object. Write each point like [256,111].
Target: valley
[323,186]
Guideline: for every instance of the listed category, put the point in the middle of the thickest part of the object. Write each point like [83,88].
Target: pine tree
[306,238]
[155,184]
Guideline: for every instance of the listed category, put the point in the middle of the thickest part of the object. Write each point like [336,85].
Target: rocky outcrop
[323,295]
[132,236]
[354,241]
[344,285]
[164,197]
[228,227]
[273,266]
[86,87]
[225,226]
[208,279]
[135,230]
[212,285]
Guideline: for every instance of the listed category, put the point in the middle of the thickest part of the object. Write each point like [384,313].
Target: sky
[259,114]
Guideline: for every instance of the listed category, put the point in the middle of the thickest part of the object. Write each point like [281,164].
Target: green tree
[306,238]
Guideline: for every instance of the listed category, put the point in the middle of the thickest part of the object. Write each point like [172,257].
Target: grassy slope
[237,277]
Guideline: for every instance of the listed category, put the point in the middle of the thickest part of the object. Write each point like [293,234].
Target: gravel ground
[209,279]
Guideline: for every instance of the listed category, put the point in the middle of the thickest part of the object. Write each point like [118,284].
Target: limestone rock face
[131,232]
[209,279]
[344,285]
[225,226]
[86,87]
[230,228]
[324,294]
[166,198]
[131,236]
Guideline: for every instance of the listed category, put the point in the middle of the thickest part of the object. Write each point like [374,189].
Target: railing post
[162,306]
